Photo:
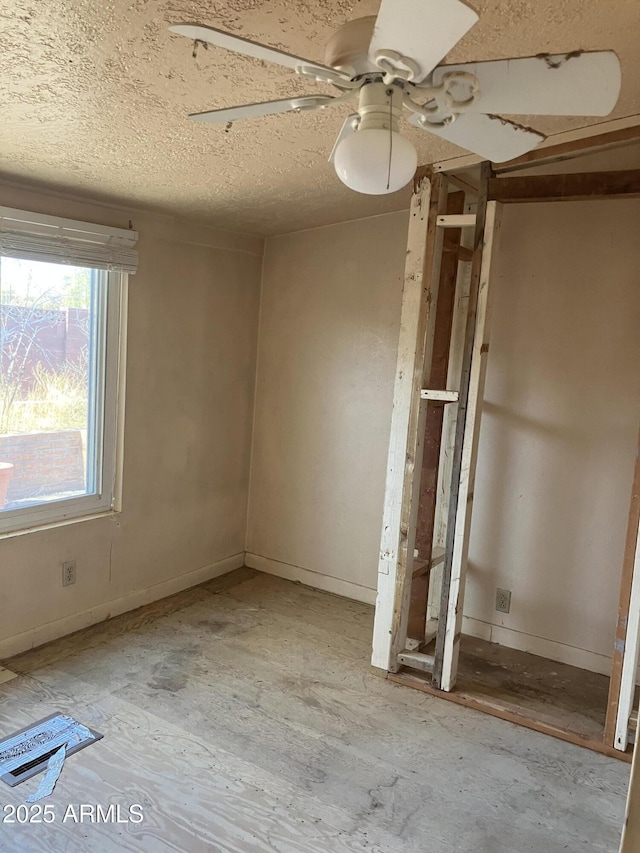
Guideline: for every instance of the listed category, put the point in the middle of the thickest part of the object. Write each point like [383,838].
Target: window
[62,292]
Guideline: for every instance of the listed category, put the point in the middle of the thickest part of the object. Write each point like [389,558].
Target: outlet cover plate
[68,573]
[503,600]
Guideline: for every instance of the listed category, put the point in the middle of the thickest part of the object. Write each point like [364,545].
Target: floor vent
[25,753]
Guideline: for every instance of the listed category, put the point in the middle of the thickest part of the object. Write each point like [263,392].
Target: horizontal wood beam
[577,187]
[423,567]
[462,253]
[571,147]
[441,396]
[465,184]
[574,148]
[456,220]
[416,660]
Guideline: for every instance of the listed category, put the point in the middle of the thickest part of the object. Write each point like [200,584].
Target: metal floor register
[42,746]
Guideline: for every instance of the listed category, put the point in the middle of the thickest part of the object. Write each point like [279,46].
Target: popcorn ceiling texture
[94,96]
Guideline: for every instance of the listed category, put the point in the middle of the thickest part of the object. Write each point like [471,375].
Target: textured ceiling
[94,96]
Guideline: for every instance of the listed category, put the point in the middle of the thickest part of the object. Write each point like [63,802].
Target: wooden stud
[630,572]
[418,600]
[462,252]
[630,659]
[433,421]
[466,184]
[467,433]
[418,588]
[454,373]
[416,660]
[437,396]
[430,631]
[574,148]
[422,271]
[454,165]
[452,628]
[437,557]
[584,186]
[457,220]
[630,842]
[548,153]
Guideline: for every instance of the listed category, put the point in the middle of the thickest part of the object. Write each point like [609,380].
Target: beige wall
[558,434]
[557,442]
[559,427]
[327,347]
[193,309]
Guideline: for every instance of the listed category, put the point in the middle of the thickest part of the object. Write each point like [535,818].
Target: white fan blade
[422,30]
[265,108]
[250,48]
[350,126]
[579,84]
[491,137]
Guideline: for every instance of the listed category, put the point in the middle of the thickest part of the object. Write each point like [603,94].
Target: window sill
[65,522]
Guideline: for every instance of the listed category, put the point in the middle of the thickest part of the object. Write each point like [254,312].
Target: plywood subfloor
[244,717]
[575,698]
[561,700]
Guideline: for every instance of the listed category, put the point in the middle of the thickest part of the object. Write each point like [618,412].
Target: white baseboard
[327,583]
[19,643]
[473,627]
[550,649]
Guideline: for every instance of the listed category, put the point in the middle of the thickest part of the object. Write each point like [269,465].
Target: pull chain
[390,95]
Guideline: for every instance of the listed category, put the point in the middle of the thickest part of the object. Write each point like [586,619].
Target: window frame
[109,414]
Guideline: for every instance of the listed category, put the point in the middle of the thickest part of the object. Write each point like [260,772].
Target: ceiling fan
[390,63]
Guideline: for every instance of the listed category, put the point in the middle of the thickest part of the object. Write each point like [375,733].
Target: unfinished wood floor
[244,717]
[575,698]
[554,693]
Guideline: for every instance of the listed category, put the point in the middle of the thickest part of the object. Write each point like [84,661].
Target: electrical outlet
[503,600]
[68,573]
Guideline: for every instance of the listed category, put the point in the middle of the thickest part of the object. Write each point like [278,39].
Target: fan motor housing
[380,106]
[348,48]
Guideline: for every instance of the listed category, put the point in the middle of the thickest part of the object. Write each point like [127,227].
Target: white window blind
[36,237]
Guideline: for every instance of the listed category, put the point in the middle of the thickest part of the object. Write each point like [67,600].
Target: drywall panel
[558,431]
[559,427]
[327,350]
[192,329]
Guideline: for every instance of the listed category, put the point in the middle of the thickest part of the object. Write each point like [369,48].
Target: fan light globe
[362,161]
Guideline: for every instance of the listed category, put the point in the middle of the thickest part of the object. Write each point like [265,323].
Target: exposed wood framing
[465,183]
[567,149]
[630,842]
[418,327]
[457,220]
[407,422]
[507,711]
[462,252]
[416,660]
[584,186]
[465,448]
[436,381]
[625,649]
[574,148]
[630,660]
[443,487]
[437,396]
